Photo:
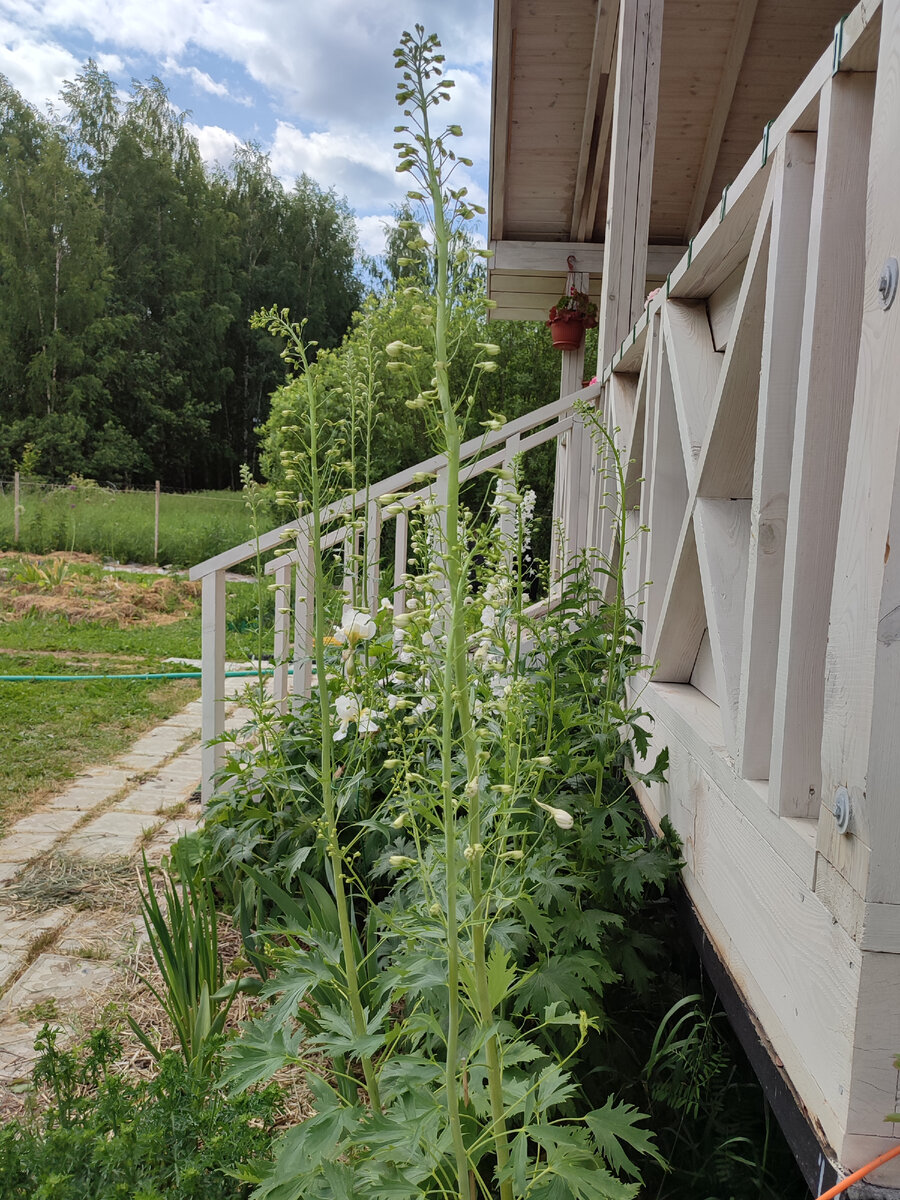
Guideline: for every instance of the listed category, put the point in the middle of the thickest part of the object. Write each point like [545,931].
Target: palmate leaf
[264,1047]
[574,980]
[615,1126]
[571,1168]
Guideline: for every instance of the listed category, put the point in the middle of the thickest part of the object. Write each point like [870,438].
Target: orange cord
[845,1183]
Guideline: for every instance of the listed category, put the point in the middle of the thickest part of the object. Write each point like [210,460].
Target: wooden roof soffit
[737,47]
[597,123]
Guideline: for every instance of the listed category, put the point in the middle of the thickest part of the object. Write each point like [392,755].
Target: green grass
[50,731]
[119,525]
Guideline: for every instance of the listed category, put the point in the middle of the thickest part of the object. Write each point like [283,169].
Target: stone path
[57,963]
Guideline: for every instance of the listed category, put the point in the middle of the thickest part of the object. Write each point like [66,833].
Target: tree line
[128,274]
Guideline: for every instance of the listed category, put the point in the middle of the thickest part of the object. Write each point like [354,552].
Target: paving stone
[9,871]
[139,762]
[22,848]
[58,821]
[17,1052]
[71,982]
[87,792]
[154,797]
[11,961]
[172,831]
[19,932]
[112,835]
[102,935]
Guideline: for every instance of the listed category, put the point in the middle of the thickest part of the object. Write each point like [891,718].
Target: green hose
[148,675]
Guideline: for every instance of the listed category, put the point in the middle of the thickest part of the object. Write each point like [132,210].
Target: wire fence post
[156,526]
[16,508]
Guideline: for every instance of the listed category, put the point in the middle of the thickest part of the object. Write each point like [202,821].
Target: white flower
[393,701]
[355,627]
[366,722]
[347,708]
[426,705]
[488,616]
[386,605]
[427,640]
[563,819]
[348,711]
[399,822]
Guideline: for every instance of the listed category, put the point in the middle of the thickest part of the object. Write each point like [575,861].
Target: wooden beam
[782,322]
[828,356]
[504,46]
[511,255]
[737,47]
[588,155]
[631,169]
[589,210]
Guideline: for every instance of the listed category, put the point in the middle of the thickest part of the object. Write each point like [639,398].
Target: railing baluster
[304,615]
[212,681]
[282,636]
[401,542]
[373,555]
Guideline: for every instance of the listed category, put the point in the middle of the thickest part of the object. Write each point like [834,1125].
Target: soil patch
[58,585]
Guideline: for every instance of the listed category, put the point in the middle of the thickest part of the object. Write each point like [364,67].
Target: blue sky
[312,83]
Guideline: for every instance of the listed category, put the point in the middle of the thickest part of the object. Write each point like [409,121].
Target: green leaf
[263,1048]
[615,1126]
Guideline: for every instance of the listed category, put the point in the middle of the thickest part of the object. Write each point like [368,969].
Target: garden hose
[147,675]
[857,1175]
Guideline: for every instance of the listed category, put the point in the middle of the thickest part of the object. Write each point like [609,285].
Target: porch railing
[360,540]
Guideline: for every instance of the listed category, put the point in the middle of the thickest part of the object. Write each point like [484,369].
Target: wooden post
[156,526]
[782,323]
[16,508]
[212,679]
[828,355]
[630,171]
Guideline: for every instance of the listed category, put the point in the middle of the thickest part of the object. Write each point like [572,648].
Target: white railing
[361,517]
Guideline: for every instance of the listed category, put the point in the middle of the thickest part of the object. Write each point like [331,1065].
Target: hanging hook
[570,262]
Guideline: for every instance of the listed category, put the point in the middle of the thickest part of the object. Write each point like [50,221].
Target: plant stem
[456,675]
[334,848]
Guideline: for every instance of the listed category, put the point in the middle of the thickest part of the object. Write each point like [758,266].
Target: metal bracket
[887,284]
[838,52]
[765,142]
[841,809]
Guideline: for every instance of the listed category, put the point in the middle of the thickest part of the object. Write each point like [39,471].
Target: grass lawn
[64,617]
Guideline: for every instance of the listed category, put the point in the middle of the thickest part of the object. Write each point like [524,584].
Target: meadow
[118,525]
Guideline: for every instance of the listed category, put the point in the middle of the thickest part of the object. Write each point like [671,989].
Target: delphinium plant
[416,978]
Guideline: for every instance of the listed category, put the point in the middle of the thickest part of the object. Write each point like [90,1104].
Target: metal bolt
[887,284]
[841,809]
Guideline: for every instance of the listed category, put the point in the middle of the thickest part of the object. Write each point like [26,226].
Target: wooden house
[743,156]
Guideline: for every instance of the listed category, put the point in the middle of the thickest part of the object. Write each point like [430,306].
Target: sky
[312,83]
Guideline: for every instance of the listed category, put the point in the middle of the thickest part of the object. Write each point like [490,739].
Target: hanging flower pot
[569,318]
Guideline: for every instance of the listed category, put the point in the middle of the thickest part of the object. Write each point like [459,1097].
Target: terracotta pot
[567,332]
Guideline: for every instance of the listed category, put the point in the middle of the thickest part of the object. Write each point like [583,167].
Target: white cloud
[35,68]
[217,145]
[111,63]
[371,233]
[202,80]
[357,166]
